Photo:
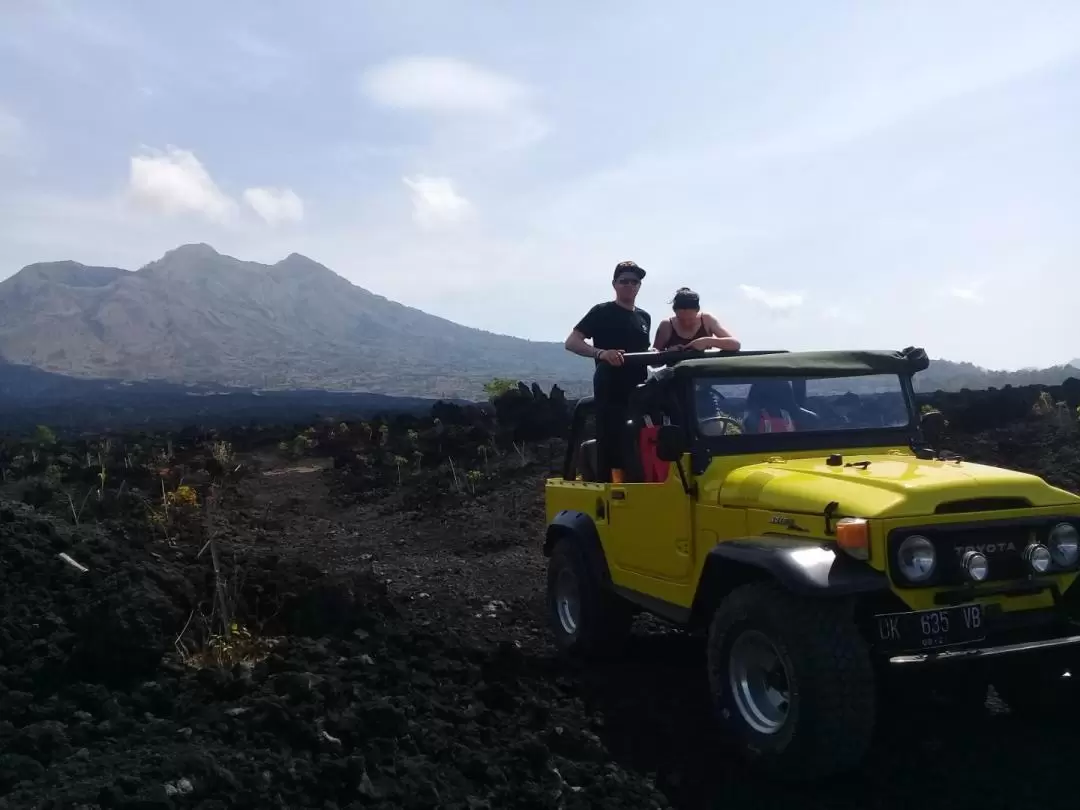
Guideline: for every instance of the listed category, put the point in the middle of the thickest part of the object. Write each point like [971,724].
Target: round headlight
[976,566]
[917,558]
[1038,558]
[1064,544]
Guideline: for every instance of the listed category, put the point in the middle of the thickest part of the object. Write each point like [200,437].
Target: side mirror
[670,443]
[932,424]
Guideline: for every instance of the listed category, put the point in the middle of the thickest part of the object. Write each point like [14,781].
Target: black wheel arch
[579,528]
[801,566]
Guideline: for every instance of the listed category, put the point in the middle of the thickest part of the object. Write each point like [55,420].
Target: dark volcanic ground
[409,667]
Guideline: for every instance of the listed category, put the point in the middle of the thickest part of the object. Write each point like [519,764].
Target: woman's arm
[663,331]
[720,337]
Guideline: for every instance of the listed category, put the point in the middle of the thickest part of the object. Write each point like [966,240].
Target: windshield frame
[705,448]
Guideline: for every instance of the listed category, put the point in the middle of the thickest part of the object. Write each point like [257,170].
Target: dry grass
[223,651]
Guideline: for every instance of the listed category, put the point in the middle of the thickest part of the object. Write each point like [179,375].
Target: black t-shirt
[611,326]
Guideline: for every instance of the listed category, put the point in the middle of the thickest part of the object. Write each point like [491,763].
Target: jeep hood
[888,486]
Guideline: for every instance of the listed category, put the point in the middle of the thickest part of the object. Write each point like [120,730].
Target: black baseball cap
[628,267]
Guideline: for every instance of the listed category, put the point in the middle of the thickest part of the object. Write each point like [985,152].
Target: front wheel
[792,681]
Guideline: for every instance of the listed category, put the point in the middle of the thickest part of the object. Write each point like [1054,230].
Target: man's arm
[585,329]
[576,343]
[582,331]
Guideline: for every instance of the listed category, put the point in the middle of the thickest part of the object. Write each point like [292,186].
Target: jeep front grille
[1002,542]
[1003,548]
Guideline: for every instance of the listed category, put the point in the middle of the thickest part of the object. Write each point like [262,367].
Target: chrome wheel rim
[759,681]
[567,600]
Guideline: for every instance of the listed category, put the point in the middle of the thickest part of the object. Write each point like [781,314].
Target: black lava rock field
[351,616]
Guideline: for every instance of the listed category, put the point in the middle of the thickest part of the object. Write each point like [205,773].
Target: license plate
[931,629]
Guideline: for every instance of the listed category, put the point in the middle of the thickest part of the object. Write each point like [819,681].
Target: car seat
[654,470]
[769,407]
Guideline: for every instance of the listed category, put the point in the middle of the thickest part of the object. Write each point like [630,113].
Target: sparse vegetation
[498,386]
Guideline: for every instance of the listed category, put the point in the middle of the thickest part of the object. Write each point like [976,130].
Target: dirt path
[478,562]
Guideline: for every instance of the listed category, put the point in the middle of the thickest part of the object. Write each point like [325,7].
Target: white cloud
[440,85]
[275,205]
[779,301]
[436,202]
[967,294]
[175,182]
[477,112]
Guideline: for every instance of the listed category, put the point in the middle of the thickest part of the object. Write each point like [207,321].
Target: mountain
[946,375]
[197,316]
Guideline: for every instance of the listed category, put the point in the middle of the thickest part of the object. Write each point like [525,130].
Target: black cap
[628,267]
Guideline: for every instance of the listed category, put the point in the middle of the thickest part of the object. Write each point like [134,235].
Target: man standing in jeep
[615,327]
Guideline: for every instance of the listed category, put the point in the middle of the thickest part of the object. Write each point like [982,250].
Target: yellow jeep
[797,508]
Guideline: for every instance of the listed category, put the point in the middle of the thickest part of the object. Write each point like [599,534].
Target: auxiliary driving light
[1064,544]
[917,558]
[1038,558]
[976,566]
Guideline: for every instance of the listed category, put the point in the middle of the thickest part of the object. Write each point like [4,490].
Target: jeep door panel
[649,529]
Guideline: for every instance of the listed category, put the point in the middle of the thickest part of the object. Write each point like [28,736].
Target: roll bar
[678,355]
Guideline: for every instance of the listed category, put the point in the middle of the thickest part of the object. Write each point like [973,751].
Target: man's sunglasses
[626,281]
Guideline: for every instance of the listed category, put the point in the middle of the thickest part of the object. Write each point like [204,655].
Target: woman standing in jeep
[691,328]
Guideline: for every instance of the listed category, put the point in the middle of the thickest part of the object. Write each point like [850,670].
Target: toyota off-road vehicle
[797,510]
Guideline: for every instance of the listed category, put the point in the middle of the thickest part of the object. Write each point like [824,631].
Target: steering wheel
[704,424]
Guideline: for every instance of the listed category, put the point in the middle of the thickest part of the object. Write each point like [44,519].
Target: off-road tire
[603,620]
[832,695]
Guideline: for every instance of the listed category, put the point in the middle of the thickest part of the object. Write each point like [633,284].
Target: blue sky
[825,174]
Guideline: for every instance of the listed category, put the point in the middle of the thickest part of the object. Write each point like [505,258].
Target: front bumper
[965,627]
[982,653]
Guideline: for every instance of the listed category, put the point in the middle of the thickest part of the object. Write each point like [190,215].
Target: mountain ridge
[197,314]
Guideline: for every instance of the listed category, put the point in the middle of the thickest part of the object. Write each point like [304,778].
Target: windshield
[727,406]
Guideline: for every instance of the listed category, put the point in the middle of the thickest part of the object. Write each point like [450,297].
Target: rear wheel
[792,681]
[586,618]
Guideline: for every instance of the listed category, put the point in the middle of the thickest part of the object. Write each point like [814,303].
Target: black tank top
[675,339]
